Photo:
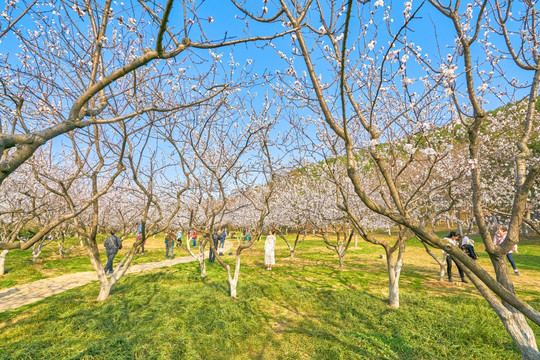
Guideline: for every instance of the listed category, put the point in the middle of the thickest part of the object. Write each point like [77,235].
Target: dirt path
[12,298]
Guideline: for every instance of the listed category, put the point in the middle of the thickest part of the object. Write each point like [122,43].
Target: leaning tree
[372,85]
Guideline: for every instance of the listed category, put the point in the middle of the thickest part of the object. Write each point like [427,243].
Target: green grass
[20,269]
[304,309]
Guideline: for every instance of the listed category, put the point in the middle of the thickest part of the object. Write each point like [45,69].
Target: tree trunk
[442,270]
[292,252]
[394,273]
[202,264]
[233,285]
[442,263]
[3,255]
[233,281]
[393,299]
[36,251]
[105,289]
[516,325]
[61,249]
[93,254]
[514,322]
[341,261]
[524,227]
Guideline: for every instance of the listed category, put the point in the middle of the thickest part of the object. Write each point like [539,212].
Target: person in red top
[194,238]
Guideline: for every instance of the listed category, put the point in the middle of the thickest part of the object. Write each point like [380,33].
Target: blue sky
[431,31]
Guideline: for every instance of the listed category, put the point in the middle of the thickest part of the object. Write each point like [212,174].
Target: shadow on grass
[526,261]
[299,310]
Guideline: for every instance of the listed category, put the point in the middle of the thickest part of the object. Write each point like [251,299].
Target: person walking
[169,244]
[112,245]
[498,239]
[269,250]
[452,239]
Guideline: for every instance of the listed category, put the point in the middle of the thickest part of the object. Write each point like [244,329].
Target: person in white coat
[269,249]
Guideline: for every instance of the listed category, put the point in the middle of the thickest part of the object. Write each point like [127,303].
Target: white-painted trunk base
[3,255]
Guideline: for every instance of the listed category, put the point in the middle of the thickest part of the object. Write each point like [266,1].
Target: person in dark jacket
[452,238]
[215,240]
[222,237]
[112,245]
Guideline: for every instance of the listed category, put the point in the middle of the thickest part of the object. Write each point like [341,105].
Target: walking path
[18,296]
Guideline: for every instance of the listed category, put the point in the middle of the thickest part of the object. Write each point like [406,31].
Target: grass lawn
[20,269]
[305,308]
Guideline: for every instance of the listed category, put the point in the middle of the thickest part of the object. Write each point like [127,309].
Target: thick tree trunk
[105,285]
[36,251]
[514,322]
[233,281]
[516,325]
[394,272]
[341,260]
[202,264]
[233,285]
[61,249]
[3,255]
[393,298]
[105,290]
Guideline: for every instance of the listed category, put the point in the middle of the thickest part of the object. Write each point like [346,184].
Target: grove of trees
[347,118]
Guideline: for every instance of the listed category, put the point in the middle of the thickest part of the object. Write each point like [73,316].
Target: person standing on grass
[141,248]
[269,250]
[194,234]
[169,244]
[452,239]
[499,237]
[222,236]
[112,245]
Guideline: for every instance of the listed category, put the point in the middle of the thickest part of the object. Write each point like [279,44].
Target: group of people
[467,245]
[218,240]
[113,244]
[170,239]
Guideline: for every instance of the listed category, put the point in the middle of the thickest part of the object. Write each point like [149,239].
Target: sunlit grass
[304,309]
